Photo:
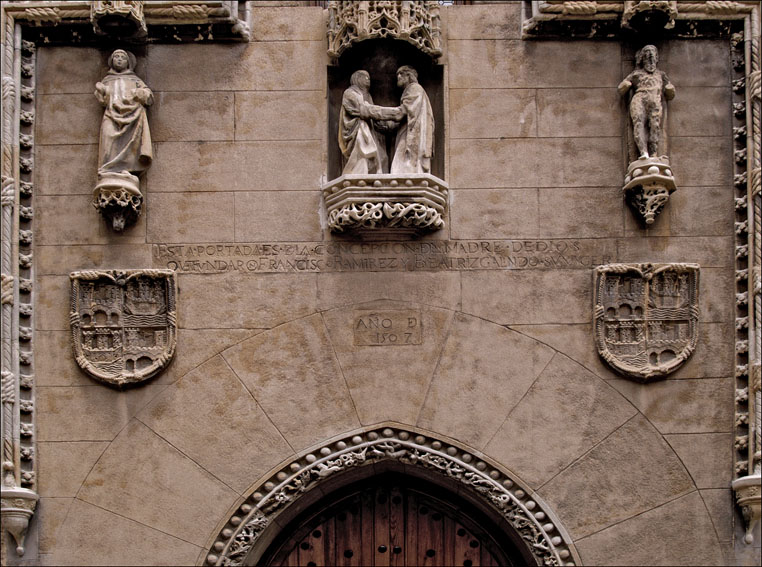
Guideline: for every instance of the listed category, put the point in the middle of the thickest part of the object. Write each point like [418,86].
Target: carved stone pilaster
[417,202]
[416,22]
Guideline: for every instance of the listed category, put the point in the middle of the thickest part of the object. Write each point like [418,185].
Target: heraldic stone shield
[123,323]
[646,317]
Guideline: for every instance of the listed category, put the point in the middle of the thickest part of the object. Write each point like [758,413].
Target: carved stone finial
[414,21]
[119,18]
[646,317]
[125,141]
[649,181]
[17,507]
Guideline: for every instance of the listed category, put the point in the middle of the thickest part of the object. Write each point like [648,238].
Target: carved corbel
[747,489]
[16,509]
[645,15]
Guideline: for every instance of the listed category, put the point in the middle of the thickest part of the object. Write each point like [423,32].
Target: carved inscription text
[434,255]
[388,328]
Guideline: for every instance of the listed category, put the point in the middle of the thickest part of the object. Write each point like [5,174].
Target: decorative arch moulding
[243,537]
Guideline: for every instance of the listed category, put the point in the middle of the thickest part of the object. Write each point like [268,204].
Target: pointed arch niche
[329,495]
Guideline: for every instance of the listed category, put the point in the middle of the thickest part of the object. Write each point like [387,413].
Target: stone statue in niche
[371,193]
[125,141]
[649,180]
[360,140]
[361,127]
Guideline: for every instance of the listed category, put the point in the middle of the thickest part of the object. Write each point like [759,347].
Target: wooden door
[391,522]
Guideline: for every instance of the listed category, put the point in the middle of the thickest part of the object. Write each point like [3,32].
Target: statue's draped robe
[415,139]
[125,141]
[362,147]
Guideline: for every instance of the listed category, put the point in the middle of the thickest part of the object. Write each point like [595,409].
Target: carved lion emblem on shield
[646,317]
[123,323]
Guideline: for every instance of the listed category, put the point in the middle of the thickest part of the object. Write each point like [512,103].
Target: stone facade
[285,370]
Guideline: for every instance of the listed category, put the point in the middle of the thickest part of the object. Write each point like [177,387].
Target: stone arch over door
[178,462]
[273,504]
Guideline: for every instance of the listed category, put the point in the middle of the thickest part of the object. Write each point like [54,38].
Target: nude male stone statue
[650,87]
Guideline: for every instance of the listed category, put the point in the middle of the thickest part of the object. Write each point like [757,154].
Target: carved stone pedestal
[117,196]
[416,201]
[749,498]
[16,510]
[648,185]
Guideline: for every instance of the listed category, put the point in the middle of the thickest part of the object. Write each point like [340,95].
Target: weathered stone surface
[55,260]
[492,113]
[538,440]
[474,386]
[192,116]
[225,300]
[73,220]
[584,212]
[715,353]
[719,504]
[214,166]
[520,64]
[677,533]
[707,456]
[439,289]
[54,362]
[682,59]
[490,21]
[701,111]
[66,169]
[628,473]
[716,295]
[692,211]
[295,362]
[67,70]
[259,216]
[583,112]
[144,478]
[708,252]
[282,115]
[51,516]
[76,458]
[184,217]
[274,23]
[494,213]
[60,411]
[567,162]
[555,296]
[701,161]
[84,540]
[195,346]
[256,66]
[68,119]
[388,382]
[222,445]
[53,298]
[684,406]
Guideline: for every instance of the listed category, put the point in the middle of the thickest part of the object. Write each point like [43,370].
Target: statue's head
[360,79]
[406,75]
[121,60]
[647,58]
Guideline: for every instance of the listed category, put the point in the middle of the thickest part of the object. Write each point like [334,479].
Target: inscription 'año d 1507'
[436,255]
[388,328]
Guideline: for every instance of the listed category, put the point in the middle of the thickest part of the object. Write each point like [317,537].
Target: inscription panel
[392,327]
[337,256]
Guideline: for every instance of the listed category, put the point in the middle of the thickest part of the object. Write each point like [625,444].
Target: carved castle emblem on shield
[123,323]
[646,317]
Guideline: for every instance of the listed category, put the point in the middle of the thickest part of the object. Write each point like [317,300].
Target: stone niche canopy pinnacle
[416,22]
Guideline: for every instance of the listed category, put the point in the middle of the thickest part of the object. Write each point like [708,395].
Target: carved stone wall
[292,339]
